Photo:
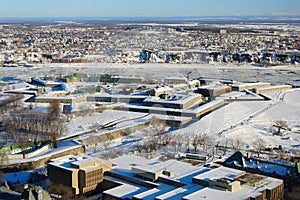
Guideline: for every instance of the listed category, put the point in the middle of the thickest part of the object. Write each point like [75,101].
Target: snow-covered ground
[83,124]
[249,121]
[246,120]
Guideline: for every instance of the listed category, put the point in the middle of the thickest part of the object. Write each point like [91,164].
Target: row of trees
[13,101]
[180,142]
[156,138]
[25,126]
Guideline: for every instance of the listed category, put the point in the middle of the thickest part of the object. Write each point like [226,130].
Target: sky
[146,8]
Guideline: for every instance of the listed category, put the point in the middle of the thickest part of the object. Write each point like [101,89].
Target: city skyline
[138,8]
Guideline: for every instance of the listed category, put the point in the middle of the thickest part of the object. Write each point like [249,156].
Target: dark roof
[237,158]
[8,194]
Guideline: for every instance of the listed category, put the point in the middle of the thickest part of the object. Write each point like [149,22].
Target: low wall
[114,134]
[29,155]
[31,164]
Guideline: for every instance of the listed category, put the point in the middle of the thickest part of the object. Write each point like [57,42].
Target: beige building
[157,91]
[223,31]
[272,89]
[249,86]
[138,178]
[60,99]
[80,173]
[176,101]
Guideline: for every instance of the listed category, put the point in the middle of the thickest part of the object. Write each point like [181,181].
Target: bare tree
[12,102]
[84,110]
[55,124]
[57,127]
[237,144]
[23,142]
[203,140]
[107,140]
[277,126]
[179,139]
[151,144]
[195,142]
[127,131]
[16,100]
[31,106]
[57,188]
[139,146]
[25,126]
[259,145]
[189,139]
[11,127]
[3,143]
[157,126]
[225,143]
[3,159]
[54,109]
[164,139]
[217,145]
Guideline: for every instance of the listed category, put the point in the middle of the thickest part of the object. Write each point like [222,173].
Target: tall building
[223,31]
[80,174]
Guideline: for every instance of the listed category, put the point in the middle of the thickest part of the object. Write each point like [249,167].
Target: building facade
[79,174]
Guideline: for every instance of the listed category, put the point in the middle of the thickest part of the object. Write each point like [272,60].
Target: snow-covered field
[81,124]
[249,121]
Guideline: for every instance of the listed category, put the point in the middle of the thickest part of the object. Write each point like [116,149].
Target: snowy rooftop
[246,190]
[149,194]
[85,161]
[214,86]
[174,194]
[125,191]
[221,172]
[127,161]
[257,84]
[184,173]
[180,169]
[275,87]
[214,194]
[117,96]
[232,94]
[175,99]
[72,162]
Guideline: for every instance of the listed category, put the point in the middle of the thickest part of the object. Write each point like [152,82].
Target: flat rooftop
[221,172]
[72,162]
[125,191]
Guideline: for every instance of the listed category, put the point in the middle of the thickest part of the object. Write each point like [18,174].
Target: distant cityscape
[138,42]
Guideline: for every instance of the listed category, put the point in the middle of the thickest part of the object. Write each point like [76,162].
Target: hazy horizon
[140,8]
[157,19]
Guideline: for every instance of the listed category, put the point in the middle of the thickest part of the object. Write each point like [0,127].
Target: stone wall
[31,164]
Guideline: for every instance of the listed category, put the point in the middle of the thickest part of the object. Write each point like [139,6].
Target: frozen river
[275,75]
